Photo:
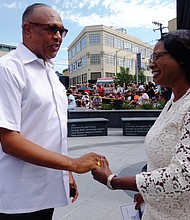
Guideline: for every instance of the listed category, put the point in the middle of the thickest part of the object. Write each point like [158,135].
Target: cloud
[12,5]
[120,13]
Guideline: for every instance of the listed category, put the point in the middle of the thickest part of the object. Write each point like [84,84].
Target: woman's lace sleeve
[174,179]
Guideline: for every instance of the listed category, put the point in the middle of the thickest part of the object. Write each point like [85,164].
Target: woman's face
[165,69]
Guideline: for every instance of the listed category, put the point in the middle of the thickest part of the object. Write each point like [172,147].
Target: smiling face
[165,69]
[38,38]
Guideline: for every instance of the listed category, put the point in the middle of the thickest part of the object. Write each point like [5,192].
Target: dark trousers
[45,214]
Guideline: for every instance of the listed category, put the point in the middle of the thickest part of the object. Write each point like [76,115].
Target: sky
[136,16]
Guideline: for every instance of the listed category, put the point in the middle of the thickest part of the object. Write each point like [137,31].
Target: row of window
[83,78]
[110,41]
[95,59]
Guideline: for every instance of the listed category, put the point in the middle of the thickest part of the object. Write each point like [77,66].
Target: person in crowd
[150,90]
[100,90]
[85,98]
[71,100]
[96,102]
[35,170]
[143,98]
[165,185]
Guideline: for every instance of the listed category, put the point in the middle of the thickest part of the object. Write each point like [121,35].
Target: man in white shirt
[33,124]
[71,100]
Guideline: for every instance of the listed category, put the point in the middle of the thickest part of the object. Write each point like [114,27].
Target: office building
[99,51]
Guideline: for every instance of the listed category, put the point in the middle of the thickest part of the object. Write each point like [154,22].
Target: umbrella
[85,89]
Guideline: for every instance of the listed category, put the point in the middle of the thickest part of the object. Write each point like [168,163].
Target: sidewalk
[126,156]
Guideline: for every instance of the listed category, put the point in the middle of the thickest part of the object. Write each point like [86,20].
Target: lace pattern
[166,186]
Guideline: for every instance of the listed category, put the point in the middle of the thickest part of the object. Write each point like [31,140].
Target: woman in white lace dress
[165,187]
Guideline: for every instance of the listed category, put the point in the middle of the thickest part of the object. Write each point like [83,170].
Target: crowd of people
[91,96]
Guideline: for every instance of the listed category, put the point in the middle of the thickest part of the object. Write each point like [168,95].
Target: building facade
[99,51]
[5,48]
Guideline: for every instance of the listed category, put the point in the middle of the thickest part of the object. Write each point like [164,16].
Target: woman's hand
[102,172]
[138,199]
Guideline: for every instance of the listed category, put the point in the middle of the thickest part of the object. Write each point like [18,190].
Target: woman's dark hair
[177,43]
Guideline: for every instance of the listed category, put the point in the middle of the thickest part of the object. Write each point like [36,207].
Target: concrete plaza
[126,156]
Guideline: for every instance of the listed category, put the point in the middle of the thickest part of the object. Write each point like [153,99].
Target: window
[83,42]
[107,74]
[79,63]
[84,61]
[79,81]
[78,47]
[69,54]
[95,75]
[95,59]
[127,46]
[84,78]
[118,43]
[94,39]
[109,41]
[73,51]
[74,67]
[109,59]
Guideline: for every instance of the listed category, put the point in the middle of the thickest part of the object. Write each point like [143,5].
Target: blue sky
[136,16]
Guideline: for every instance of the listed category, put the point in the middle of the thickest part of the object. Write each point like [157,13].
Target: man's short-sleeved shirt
[34,103]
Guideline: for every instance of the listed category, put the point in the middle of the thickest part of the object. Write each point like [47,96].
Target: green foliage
[141,76]
[148,105]
[106,106]
[124,76]
[126,105]
[160,104]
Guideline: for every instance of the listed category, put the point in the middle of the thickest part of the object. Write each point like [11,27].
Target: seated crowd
[91,96]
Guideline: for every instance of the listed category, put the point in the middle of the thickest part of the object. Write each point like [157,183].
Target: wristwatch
[109,179]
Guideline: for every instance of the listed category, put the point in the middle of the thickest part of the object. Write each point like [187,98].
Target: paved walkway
[126,156]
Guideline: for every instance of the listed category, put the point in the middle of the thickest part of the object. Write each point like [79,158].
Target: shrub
[127,106]
[106,106]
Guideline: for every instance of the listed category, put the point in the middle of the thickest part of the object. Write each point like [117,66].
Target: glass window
[83,42]
[109,41]
[127,46]
[109,59]
[94,39]
[118,43]
[95,59]
[69,54]
[73,51]
[107,74]
[95,75]
[79,79]
[84,78]
[74,67]
[78,47]
[84,61]
[79,64]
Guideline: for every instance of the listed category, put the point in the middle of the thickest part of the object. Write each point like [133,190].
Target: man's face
[43,30]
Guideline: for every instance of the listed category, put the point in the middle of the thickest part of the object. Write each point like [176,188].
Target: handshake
[98,165]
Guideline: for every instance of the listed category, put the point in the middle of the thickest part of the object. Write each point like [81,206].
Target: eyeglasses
[53,29]
[156,56]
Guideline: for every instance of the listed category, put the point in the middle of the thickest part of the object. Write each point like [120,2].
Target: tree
[142,77]
[124,76]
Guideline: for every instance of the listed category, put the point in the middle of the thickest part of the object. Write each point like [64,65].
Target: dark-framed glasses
[52,28]
[156,56]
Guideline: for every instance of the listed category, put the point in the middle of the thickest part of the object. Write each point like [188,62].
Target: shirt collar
[28,56]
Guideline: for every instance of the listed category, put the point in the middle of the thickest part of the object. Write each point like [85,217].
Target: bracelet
[109,179]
